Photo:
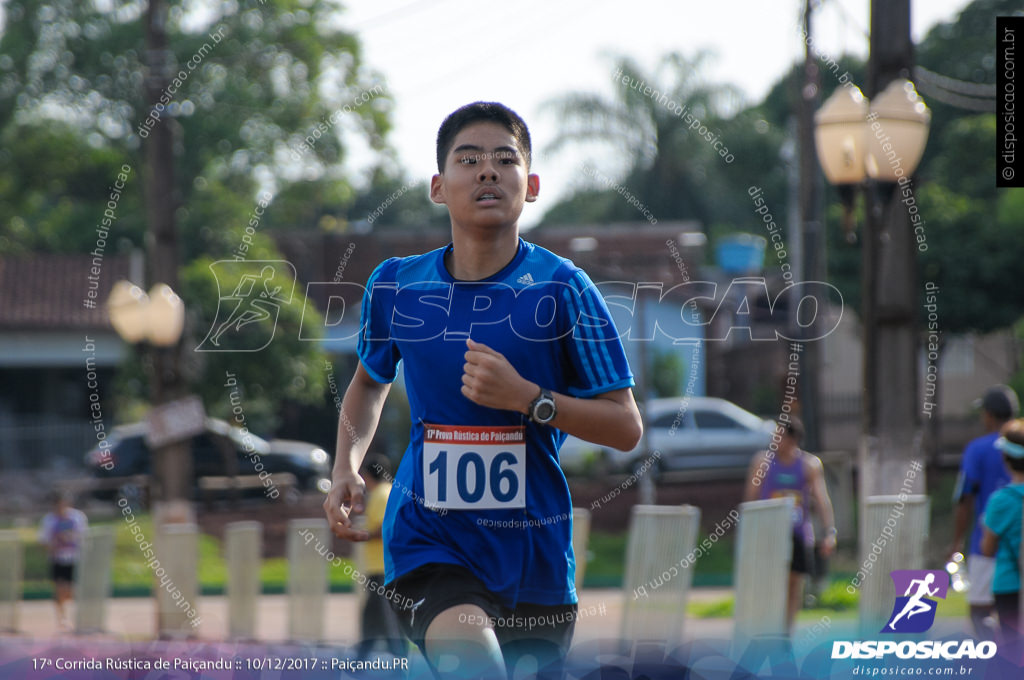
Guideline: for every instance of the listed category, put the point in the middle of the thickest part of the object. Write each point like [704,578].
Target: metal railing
[44,442]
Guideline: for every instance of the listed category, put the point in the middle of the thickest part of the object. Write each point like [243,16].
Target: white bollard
[176,580]
[764,550]
[243,552]
[92,580]
[580,540]
[12,564]
[659,570]
[307,578]
[894,535]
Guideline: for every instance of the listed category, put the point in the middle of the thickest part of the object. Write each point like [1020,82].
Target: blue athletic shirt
[1003,518]
[982,471]
[546,317]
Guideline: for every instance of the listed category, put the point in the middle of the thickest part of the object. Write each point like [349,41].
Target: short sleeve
[999,512]
[595,351]
[376,347]
[46,529]
[81,523]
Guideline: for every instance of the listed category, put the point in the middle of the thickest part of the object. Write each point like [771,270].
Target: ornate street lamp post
[877,146]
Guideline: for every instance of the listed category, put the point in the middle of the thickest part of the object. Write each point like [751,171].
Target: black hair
[60,496]
[377,466]
[482,112]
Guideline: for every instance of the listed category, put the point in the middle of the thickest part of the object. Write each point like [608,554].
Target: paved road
[135,618]
[131,627]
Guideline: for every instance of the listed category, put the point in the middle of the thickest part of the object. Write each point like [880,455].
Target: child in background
[63,532]
[379,622]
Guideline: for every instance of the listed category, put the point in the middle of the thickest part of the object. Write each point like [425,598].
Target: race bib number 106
[474,468]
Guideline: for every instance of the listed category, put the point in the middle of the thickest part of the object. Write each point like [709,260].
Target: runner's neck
[473,258]
[787,457]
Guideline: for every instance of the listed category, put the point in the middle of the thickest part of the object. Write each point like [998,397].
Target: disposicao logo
[914,610]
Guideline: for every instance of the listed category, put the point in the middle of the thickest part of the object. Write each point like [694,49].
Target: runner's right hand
[344,499]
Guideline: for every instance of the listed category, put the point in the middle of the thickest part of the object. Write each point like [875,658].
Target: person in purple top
[982,471]
[784,470]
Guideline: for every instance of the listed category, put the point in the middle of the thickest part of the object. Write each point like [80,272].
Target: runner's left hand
[488,379]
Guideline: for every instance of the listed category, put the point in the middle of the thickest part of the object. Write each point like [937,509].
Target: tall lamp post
[877,146]
[156,321]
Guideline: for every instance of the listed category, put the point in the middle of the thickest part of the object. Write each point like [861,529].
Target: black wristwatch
[542,409]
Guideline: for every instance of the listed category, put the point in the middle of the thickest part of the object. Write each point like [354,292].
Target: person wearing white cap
[982,472]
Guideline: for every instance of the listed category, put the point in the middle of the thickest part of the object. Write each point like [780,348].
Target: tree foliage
[287,369]
[664,125]
[265,98]
[975,233]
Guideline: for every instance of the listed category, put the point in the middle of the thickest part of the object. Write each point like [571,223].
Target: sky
[436,55]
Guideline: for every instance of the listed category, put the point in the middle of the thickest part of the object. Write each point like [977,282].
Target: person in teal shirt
[1002,532]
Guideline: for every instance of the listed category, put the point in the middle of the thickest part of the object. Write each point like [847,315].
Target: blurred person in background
[63,532]
[789,472]
[982,471]
[1001,533]
[379,621]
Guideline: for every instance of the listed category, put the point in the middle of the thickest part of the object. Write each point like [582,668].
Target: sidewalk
[134,618]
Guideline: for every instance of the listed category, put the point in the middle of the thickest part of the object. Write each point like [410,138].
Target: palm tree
[655,122]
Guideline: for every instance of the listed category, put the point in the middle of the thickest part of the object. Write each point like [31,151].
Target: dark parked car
[218,452]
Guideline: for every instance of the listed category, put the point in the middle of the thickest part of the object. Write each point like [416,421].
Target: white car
[689,433]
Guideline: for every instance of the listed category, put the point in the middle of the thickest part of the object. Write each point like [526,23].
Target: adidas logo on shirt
[526,279]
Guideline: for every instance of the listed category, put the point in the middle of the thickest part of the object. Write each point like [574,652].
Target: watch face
[544,411]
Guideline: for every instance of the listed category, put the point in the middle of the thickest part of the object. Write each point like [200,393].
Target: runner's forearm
[357,421]
[609,419]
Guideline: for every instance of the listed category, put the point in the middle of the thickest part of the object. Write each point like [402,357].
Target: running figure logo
[914,611]
[247,317]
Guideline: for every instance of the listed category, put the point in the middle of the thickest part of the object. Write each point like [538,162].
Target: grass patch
[716,609]
[837,598]
[606,561]
[834,602]
[130,574]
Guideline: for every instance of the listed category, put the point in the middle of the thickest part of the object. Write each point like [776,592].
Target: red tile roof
[620,252]
[49,292]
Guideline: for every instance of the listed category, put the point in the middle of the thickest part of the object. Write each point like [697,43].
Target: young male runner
[506,348]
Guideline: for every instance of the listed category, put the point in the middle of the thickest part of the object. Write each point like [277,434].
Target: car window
[668,420]
[205,448]
[132,455]
[710,420]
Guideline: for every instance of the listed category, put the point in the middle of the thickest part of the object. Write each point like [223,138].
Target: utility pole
[647,490]
[172,462]
[813,244]
[891,437]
